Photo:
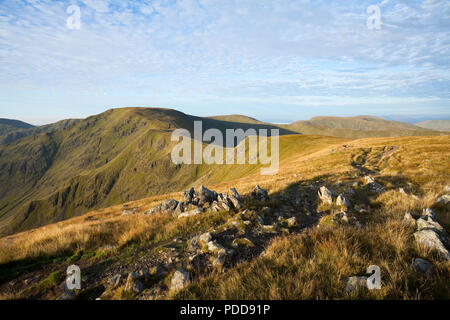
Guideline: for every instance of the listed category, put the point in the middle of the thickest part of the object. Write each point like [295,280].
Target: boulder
[114,281]
[205,238]
[191,213]
[133,284]
[205,195]
[260,193]
[214,246]
[326,194]
[179,280]
[445,199]
[430,239]
[425,267]
[234,198]
[220,259]
[342,200]
[292,222]
[166,205]
[187,195]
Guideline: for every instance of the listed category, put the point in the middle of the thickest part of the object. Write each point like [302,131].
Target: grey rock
[260,193]
[423,266]
[179,280]
[342,200]
[114,281]
[187,195]
[292,222]
[133,284]
[445,199]
[214,246]
[430,239]
[205,238]
[326,194]
[191,213]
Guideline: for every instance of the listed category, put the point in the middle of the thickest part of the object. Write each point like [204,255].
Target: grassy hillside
[8,125]
[311,260]
[439,125]
[116,156]
[357,127]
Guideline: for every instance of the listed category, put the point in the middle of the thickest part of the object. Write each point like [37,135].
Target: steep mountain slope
[439,125]
[116,156]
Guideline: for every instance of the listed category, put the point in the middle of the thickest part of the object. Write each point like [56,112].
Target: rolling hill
[439,125]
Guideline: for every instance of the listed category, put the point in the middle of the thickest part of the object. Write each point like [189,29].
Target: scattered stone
[373,185]
[292,222]
[205,238]
[356,282]
[423,266]
[447,189]
[191,213]
[235,198]
[187,195]
[114,281]
[326,194]
[133,284]
[445,199]
[214,246]
[342,200]
[260,193]
[179,280]
[402,191]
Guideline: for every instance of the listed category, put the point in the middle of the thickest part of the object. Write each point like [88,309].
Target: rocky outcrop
[134,285]
[260,193]
[372,185]
[166,205]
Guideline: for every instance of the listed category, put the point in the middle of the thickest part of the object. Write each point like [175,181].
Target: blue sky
[278,61]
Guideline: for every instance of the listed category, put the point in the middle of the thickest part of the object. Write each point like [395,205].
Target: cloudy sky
[278,61]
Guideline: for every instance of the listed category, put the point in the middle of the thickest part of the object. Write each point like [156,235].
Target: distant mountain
[22,129]
[357,127]
[9,125]
[440,125]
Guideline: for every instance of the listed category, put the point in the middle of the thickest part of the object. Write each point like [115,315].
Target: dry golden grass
[307,266]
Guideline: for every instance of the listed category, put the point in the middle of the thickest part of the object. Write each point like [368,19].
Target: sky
[277,61]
